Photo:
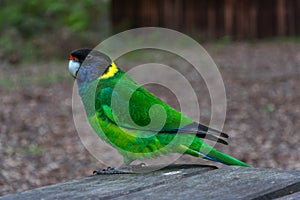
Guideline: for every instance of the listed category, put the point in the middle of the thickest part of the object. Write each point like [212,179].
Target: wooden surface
[177,182]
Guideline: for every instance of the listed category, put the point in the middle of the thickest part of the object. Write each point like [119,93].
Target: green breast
[126,124]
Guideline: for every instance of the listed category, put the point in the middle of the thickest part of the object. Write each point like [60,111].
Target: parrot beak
[74,67]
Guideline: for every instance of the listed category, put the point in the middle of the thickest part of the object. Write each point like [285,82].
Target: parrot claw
[124,169]
[111,170]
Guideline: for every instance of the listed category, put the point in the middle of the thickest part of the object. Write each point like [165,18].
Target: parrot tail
[214,155]
[221,157]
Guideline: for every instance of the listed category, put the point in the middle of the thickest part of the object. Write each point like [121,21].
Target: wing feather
[139,105]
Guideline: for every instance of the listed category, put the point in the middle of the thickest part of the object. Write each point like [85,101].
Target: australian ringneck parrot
[129,117]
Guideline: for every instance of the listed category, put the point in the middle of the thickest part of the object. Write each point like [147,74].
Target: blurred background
[255,44]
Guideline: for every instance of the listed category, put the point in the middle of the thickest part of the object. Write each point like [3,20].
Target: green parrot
[132,119]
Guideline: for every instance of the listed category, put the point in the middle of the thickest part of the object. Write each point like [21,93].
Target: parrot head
[86,65]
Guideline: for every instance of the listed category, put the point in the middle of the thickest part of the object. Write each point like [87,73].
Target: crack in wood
[288,190]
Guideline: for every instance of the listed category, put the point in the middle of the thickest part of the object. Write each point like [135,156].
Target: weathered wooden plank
[227,183]
[294,196]
[177,182]
[108,185]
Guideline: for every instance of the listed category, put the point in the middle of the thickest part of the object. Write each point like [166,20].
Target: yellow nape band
[112,70]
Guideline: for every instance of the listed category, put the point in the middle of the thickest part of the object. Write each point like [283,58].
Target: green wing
[135,112]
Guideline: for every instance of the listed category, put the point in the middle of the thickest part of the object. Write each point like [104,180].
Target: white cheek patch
[73,67]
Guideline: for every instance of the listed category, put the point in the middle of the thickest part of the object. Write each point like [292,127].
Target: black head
[87,65]
[79,54]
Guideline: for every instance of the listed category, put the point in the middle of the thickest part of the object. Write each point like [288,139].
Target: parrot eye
[73,58]
[89,57]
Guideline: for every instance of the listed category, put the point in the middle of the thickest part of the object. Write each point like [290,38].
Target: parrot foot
[111,170]
[123,169]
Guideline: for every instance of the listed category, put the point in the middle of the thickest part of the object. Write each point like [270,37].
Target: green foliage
[31,150]
[269,108]
[33,22]
[33,16]
[225,40]
[35,149]
[29,75]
